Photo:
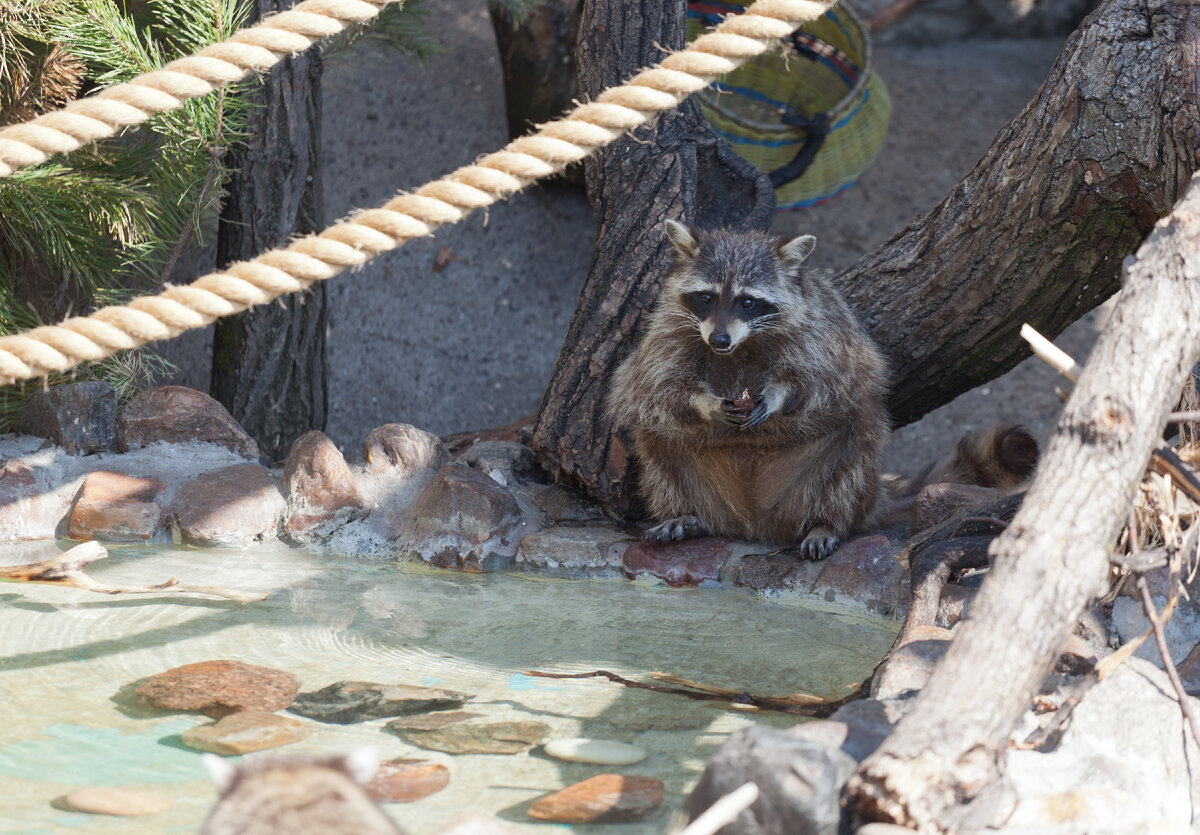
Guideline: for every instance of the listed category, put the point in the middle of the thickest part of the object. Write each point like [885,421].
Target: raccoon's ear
[682,236]
[794,252]
[361,764]
[222,772]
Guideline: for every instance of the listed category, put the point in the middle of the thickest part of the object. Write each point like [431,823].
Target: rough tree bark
[269,364]
[1037,230]
[939,770]
[677,169]
[537,55]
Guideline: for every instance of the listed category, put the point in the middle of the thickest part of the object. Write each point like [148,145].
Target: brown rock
[116,800]
[938,502]
[219,688]
[233,506]
[605,798]
[462,519]
[244,733]
[865,571]
[77,417]
[318,485]
[771,572]
[570,552]
[686,563]
[117,507]
[177,414]
[564,505]
[403,450]
[403,781]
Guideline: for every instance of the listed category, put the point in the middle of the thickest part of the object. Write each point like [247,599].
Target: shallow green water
[67,658]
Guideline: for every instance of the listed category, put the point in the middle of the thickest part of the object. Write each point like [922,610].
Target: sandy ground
[473,345]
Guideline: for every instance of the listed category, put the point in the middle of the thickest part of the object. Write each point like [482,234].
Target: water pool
[68,658]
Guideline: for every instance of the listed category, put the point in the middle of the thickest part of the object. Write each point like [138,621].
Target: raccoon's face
[734,285]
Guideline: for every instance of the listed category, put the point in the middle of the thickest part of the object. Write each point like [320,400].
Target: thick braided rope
[253,49]
[369,233]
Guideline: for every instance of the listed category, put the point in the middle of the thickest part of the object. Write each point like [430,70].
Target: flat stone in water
[406,780]
[347,702]
[431,721]
[488,738]
[599,751]
[605,798]
[219,688]
[243,733]
[117,801]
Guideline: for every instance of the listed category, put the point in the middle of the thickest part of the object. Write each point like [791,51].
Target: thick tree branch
[1053,558]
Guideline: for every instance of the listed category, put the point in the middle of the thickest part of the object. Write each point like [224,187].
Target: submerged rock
[319,487]
[219,688]
[230,507]
[402,450]
[686,563]
[245,732]
[605,798]
[485,738]
[117,801]
[77,417]
[598,751]
[347,702]
[431,721]
[474,823]
[177,414]
[462,519]
[407,780]
[115,506]
[909,666]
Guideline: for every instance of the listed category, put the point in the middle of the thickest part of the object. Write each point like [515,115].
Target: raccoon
[274,796]
[795,462]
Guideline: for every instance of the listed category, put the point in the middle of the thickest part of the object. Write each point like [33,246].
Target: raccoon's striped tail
[1001,456]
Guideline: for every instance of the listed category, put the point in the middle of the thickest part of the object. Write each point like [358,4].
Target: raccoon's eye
[705,298]
[748,303]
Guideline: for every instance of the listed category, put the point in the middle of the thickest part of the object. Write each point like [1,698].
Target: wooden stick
[1055,357]
[723,812]
[67,570]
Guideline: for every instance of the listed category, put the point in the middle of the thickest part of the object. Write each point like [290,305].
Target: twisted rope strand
[369,233]
[254,49]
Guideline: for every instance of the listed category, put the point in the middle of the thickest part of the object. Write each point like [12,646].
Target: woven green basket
[812,115]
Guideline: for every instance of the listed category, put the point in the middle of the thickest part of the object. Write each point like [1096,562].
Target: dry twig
[67,570]
[802,704]
[723,812]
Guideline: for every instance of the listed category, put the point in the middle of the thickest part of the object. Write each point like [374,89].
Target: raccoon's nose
[719,341]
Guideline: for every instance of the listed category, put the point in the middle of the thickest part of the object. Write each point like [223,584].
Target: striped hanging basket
[812,115]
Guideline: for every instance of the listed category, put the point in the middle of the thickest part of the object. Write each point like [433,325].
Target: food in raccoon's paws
[744,404]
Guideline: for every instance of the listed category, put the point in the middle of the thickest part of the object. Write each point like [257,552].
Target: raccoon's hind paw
[679,528]
[819,544]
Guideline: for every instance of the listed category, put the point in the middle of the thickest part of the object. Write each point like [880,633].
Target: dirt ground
[473,345]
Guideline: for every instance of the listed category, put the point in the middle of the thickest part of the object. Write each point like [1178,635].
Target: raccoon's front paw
[760,412]
[819,544]
[731,412]
[679,528]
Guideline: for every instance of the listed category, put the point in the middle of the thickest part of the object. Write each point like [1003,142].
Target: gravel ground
[473,345]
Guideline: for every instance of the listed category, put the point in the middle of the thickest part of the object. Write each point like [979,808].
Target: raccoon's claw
[730,413]
[679,528]
[758,414]
[818,545]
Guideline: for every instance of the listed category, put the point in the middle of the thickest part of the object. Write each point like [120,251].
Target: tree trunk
[269,364]
[1053,559]
[1037,230]
[678,168]
[537,54]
